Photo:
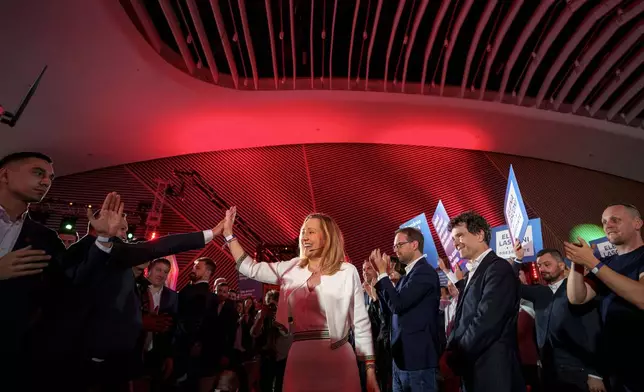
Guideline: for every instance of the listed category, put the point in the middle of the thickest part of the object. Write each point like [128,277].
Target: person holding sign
[618,281]
[568,358]
[482,347]
[321,301]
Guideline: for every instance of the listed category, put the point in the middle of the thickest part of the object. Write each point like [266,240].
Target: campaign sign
[420,223]
[440,222]
[603,248]
[250,288]
[532,241]
[516,216]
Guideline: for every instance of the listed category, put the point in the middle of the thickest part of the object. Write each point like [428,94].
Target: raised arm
[269,273]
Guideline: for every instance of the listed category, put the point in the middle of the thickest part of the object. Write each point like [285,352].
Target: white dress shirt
[555,286]
[156,298]
[473,265]
[9,231]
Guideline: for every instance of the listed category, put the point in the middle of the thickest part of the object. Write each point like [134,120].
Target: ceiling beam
[148,26]
[452,40]
[203,40]
[480,26]
[412,38]
[335,10]
[249,42]
[520,44]
[535,61]
[583,30]
[498,40]
[392,36]
[637,109]
[432,38]
[353,35]
[625,98]
[620,50]
[271,35]
[173,22]
[225,42]
[374,30]
[291,11]
[620,78]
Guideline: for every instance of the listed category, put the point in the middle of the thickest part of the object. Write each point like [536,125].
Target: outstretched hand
[229,221]
[110,219]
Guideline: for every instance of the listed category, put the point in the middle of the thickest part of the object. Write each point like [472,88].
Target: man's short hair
[413,235]
[19,156]
[160,261]
[232,291]
[474,222]
[552,252]
[210,263]
[630,207]
[222,284]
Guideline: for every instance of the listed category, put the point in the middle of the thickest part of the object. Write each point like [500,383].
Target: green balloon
[587,231]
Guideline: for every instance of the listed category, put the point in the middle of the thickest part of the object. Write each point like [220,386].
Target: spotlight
[68,225]
[153,235]
[131,232]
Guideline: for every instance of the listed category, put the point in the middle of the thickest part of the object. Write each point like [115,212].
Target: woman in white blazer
[321,300]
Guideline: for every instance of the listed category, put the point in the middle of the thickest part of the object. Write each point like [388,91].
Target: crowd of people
[98,316]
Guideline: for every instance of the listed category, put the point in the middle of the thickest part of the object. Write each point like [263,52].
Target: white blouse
[341,293]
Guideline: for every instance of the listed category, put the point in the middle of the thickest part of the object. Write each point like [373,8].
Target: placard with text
[532,241]
[440,221]
[516,216]
[603,248]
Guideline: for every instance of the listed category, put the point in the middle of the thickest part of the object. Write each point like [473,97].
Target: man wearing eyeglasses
[414,304]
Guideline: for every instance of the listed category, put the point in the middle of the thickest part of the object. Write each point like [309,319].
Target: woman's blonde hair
[333,254]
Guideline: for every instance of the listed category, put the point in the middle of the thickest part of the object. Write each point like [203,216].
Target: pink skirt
[313,367]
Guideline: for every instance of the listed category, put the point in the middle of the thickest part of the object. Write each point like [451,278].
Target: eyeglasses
[400,245]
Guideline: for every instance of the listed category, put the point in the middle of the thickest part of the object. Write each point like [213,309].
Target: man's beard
[193,277]
[552,277]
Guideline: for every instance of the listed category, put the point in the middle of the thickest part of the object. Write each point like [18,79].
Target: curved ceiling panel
[370,44]
[109,97]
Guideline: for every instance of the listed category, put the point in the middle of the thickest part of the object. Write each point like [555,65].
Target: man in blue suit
[413,304]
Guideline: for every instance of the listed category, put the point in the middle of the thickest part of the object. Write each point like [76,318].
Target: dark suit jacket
[482,347]
[29,304]
[162,343]
[566,334]
[114,323]
[414,304]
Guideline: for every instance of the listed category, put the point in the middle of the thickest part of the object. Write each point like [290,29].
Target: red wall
[368,189]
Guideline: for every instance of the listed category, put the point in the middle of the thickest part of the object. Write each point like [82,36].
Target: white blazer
[344,299]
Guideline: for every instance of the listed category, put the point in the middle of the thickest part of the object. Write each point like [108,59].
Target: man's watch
[596,269]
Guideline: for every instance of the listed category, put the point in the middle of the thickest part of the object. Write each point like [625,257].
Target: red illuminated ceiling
[109,98]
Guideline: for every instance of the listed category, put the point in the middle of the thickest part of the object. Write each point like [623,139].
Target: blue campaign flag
[514,210]
[420,223]
[603,248]
[532,241]
[440,221]
[250,288]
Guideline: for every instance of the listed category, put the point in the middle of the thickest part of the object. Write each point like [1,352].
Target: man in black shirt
[618,282]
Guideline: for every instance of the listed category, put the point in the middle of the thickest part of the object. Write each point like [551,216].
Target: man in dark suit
[482,347]
[160,306]
[414,304]
[566,333]
[35,270]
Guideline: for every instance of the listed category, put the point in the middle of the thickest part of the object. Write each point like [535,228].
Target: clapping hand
[379,261]
[581,254]
[110,218]
[23,262]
